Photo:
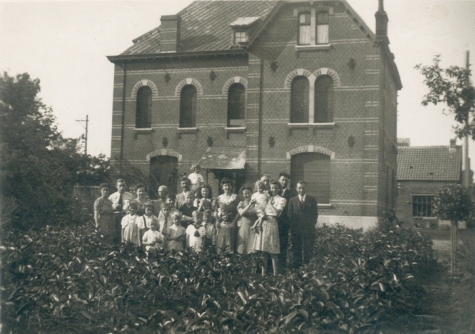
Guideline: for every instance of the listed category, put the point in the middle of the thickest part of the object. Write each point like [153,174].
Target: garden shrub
[68,280]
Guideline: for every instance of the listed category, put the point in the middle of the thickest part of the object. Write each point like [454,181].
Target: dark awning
[223,158]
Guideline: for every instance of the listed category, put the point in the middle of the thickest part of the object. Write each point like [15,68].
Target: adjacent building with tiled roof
[422,172]
[303,87]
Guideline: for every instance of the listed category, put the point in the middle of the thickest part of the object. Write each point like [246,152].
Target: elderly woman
[104,214]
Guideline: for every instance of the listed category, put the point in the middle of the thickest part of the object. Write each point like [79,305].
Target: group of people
[259,219]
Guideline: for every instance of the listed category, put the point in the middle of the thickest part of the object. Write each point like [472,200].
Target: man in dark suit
[284,224]
[302,213]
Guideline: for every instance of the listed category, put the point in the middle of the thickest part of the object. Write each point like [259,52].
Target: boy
[152,238]
[175,235]
[196,232]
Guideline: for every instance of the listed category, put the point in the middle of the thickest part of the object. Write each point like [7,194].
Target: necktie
[120,202]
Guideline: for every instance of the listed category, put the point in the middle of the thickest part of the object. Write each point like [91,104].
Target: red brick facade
[360,141]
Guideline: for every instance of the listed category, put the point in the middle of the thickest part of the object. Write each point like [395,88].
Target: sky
[65,44]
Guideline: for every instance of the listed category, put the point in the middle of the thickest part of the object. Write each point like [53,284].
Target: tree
[453,203]
[38,166]
[451,86]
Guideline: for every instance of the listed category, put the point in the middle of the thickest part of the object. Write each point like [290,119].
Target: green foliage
[38,167]
[68,280]
[452,87]
[453,203]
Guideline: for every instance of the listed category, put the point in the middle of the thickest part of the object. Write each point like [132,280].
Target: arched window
[188,107]
[236,105]
[324,99]
[299,100]
[315,169]
[143,116]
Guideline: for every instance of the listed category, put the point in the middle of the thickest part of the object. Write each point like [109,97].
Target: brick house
[258,87]
[422,172]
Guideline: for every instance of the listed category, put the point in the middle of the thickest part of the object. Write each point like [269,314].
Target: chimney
[381,24]
[170,33]
[452,143]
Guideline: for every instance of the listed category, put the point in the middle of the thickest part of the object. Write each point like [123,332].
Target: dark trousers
[118,227]
[302,248]
[284,242]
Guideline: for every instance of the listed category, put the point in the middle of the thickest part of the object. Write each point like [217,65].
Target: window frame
[243,38]
[301,25]
[236,104]
[191,114]
[426,201]
[143,118]
[306,100]
[329,99]
[326,24]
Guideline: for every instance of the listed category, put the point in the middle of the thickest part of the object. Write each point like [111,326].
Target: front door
[163,171]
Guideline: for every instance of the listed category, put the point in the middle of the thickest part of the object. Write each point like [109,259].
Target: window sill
[187,130]
[143,130]
[311,125]
[325,206]
[314,47]
[235,129]
[424,218]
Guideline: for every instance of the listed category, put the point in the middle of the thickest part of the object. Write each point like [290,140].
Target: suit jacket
[303,217]
[287,194]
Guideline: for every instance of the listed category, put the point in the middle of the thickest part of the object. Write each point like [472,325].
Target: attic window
[313,28]
[240,37]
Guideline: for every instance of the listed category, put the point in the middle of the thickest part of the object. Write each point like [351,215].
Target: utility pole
[86,121]
[466,159]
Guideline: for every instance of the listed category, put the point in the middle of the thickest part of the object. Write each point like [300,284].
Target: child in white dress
[152,239]
[129,224]
[175,235]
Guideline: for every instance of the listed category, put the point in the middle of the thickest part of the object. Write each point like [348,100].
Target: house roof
[205,26]
[429,163]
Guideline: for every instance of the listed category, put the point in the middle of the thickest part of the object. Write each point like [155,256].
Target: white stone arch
[299,72]
[233,80]
[311,149]
[164,151]
[189,81]
[331,73]
[144,82]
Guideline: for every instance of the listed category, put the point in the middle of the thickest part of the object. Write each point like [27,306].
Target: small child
[196,178]
[195,232]
[260,198]
[152,239]
[210,229]
[130,229]
[187,209]
[224,227]
[175,235]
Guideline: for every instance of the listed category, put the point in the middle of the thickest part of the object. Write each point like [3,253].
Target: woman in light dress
[104,214]
[266,239]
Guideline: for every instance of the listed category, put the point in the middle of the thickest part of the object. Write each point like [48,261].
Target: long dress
[245,239]
[105,218]
[130,229]
[267,240]
[227,209]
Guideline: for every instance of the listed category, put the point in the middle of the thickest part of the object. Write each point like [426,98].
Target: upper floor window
[188,107]
[323,99]
[236,105]
[299,100]
[322,28]
[305,29]
[240,37]
[422,206]
[143,110]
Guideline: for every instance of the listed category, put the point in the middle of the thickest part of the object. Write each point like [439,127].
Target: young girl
[268,240]
[130,229]
[224,228]
[247,213]
[152,238]
[175,235]
[145,222]
[204,198]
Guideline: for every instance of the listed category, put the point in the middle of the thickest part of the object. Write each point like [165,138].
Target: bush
[68,280]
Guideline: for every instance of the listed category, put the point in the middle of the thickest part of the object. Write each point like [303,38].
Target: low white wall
[356,222]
